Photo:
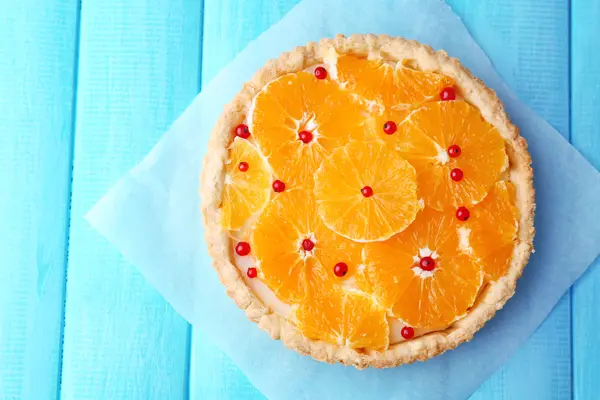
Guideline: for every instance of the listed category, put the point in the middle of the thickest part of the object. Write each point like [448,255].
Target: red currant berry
[305,136]
[389,127]
[456,174]
[242,249]
[308,244]
[278,186]
[454,151]
[243,166]
[448,93]
[407,332]
[427,263]
[252,272]
[340,269]
[320,73]
[462,214]
[367,191]
[242,131]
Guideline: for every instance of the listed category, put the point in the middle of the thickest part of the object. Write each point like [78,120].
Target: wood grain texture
[585,135]
[535,35]
[139,68]
[37,61]
[139,63]
[229,25]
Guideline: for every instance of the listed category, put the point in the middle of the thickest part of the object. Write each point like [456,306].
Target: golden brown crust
[493,296]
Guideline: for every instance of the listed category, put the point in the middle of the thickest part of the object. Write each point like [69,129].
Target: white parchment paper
[152,216]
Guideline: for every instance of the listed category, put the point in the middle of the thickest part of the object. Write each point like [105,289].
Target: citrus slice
[493,226]
[298,119]
[388,85]
[457,154]
[420,275]
[345,318]
[366,192]
[247,185]
[295,252]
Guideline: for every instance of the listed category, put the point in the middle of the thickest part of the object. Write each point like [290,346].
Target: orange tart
[368,201]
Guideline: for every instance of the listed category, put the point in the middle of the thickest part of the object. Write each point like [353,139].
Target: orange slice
[247,185]
[295,252]
[493,226]
[448,136]
[391,86]
[420,275]
[298,119]
[366,192]
[344,318]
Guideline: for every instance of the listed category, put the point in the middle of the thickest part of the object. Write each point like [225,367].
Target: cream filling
[261,290]
[266,295]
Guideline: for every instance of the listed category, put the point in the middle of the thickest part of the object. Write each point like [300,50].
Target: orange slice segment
[366,192]
[443,136]
[344,318]
[247,185]
[420,275]
[493,228]
[295,252]
[392,86]
[298,119]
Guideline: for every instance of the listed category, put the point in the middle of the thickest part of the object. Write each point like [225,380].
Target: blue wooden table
[86,89]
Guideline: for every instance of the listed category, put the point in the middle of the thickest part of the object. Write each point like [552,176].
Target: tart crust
[493,295]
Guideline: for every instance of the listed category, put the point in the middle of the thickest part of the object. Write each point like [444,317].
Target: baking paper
[152,215]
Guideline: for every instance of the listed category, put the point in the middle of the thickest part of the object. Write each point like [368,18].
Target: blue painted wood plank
[37,61]
[139,68]
[532,37]
[228,27]
[585,134]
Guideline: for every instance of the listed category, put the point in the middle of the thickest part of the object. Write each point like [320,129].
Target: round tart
[367,201]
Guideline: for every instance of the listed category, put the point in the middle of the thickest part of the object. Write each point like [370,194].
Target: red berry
[456,174]
[367,191]
[252,272]
[308,244]
[340,269]
[407,332]
[243,166]
[305,136]
[389,127]
[427,263]
[462,214]
[242,248]
[278,186]
[242,131]
[320,73]
[454,151]
[448,93]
